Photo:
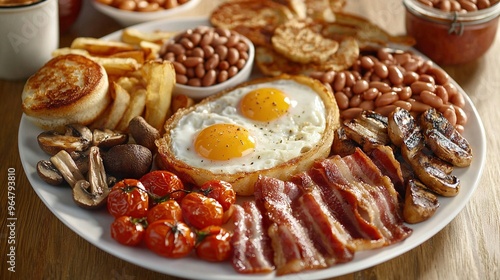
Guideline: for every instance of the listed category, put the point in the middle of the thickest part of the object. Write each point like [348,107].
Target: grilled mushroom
[67,167]
[92,193]
[108,138]
[49,173]
[419,204]
[444,140]
[76,138]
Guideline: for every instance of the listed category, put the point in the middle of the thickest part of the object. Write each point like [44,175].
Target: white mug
[29,33]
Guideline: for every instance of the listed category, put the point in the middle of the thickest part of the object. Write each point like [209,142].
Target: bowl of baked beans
[208,60]
[130,12]
[452,32]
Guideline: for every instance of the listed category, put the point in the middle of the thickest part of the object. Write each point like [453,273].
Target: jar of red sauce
[69,10]
[451,38]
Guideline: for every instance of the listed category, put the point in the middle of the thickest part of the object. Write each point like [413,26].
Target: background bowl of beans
[130,12]
[208,60]
[452,32]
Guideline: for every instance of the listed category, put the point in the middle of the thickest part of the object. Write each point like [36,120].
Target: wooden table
[468,248]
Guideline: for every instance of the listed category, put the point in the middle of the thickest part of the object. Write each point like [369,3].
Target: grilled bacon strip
[251,253]
[294,251]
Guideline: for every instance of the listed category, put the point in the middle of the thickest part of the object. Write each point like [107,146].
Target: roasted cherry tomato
[128,198]
[201,211]
[166,210]
[164,185]
[221,191]
[213,243]
[127,230]
[169,238]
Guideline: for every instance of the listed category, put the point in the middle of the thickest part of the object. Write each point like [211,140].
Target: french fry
[65,51]
[160,81]
[121,101]
[138,55]
[134,36]
[100,47]
[151,50]
[135,108]
[118,65]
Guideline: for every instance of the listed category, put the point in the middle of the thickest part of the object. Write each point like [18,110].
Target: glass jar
[69,10]
[450,38]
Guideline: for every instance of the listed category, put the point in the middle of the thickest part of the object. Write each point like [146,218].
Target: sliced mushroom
[76,138]
[49,173]
[67,167]
[92,193]
[444,140]
[108,138]
[368,130]
[419,204]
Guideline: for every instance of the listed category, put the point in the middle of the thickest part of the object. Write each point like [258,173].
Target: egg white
[277,141]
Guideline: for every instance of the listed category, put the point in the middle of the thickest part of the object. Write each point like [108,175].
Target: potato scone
[67,89]
[268,126]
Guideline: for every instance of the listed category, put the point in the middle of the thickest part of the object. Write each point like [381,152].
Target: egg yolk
[264,104]
[224,142]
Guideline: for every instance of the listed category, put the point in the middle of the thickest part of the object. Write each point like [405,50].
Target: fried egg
[254,127]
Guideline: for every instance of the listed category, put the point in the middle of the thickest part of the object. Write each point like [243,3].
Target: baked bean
[427,79]
[350,113]
[366,62]
[468,5]
[426,2]
[208,51]
[444,5]
[231,71]
[193,61]
[342,100]
[431,99]
[455,6]
[243,55]
[384,55]
[179,68]
[190,73]
[395,75]
[219,40]
[371,94]
[386,99]
[207,38]
[127,5]
[339,81]
[240,63]
[199,70]
[212,62]
[350,79]
[181,79]
[355,101]
[418,87]
[360,86]
[222,76]
[224,65]
[381,70]
[209,78]
[222,51]
[176,49]
[318,75]
[458,100]
[411,65]
[403,104]
[483,4]
[461,116]
[442,93]
[367,105]
[405,93]
[381,86]
[327,77]
[233,40]
[417,106]
[409,77]
[425,66]
[186,43]
[223,32]
[198,52]
[440,76]
[233,55]
[194,82]
[448,112]
[195,38]
[385,110]
[402,58]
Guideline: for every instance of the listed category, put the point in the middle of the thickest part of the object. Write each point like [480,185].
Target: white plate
[94,226]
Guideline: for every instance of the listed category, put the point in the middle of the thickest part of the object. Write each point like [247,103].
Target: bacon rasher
[252,249]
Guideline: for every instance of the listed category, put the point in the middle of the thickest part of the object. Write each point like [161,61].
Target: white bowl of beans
[130,12]
[208,60]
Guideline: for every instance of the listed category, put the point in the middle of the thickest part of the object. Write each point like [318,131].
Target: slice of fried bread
[243,181]
[297,41]
[67,89]
[256,20]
